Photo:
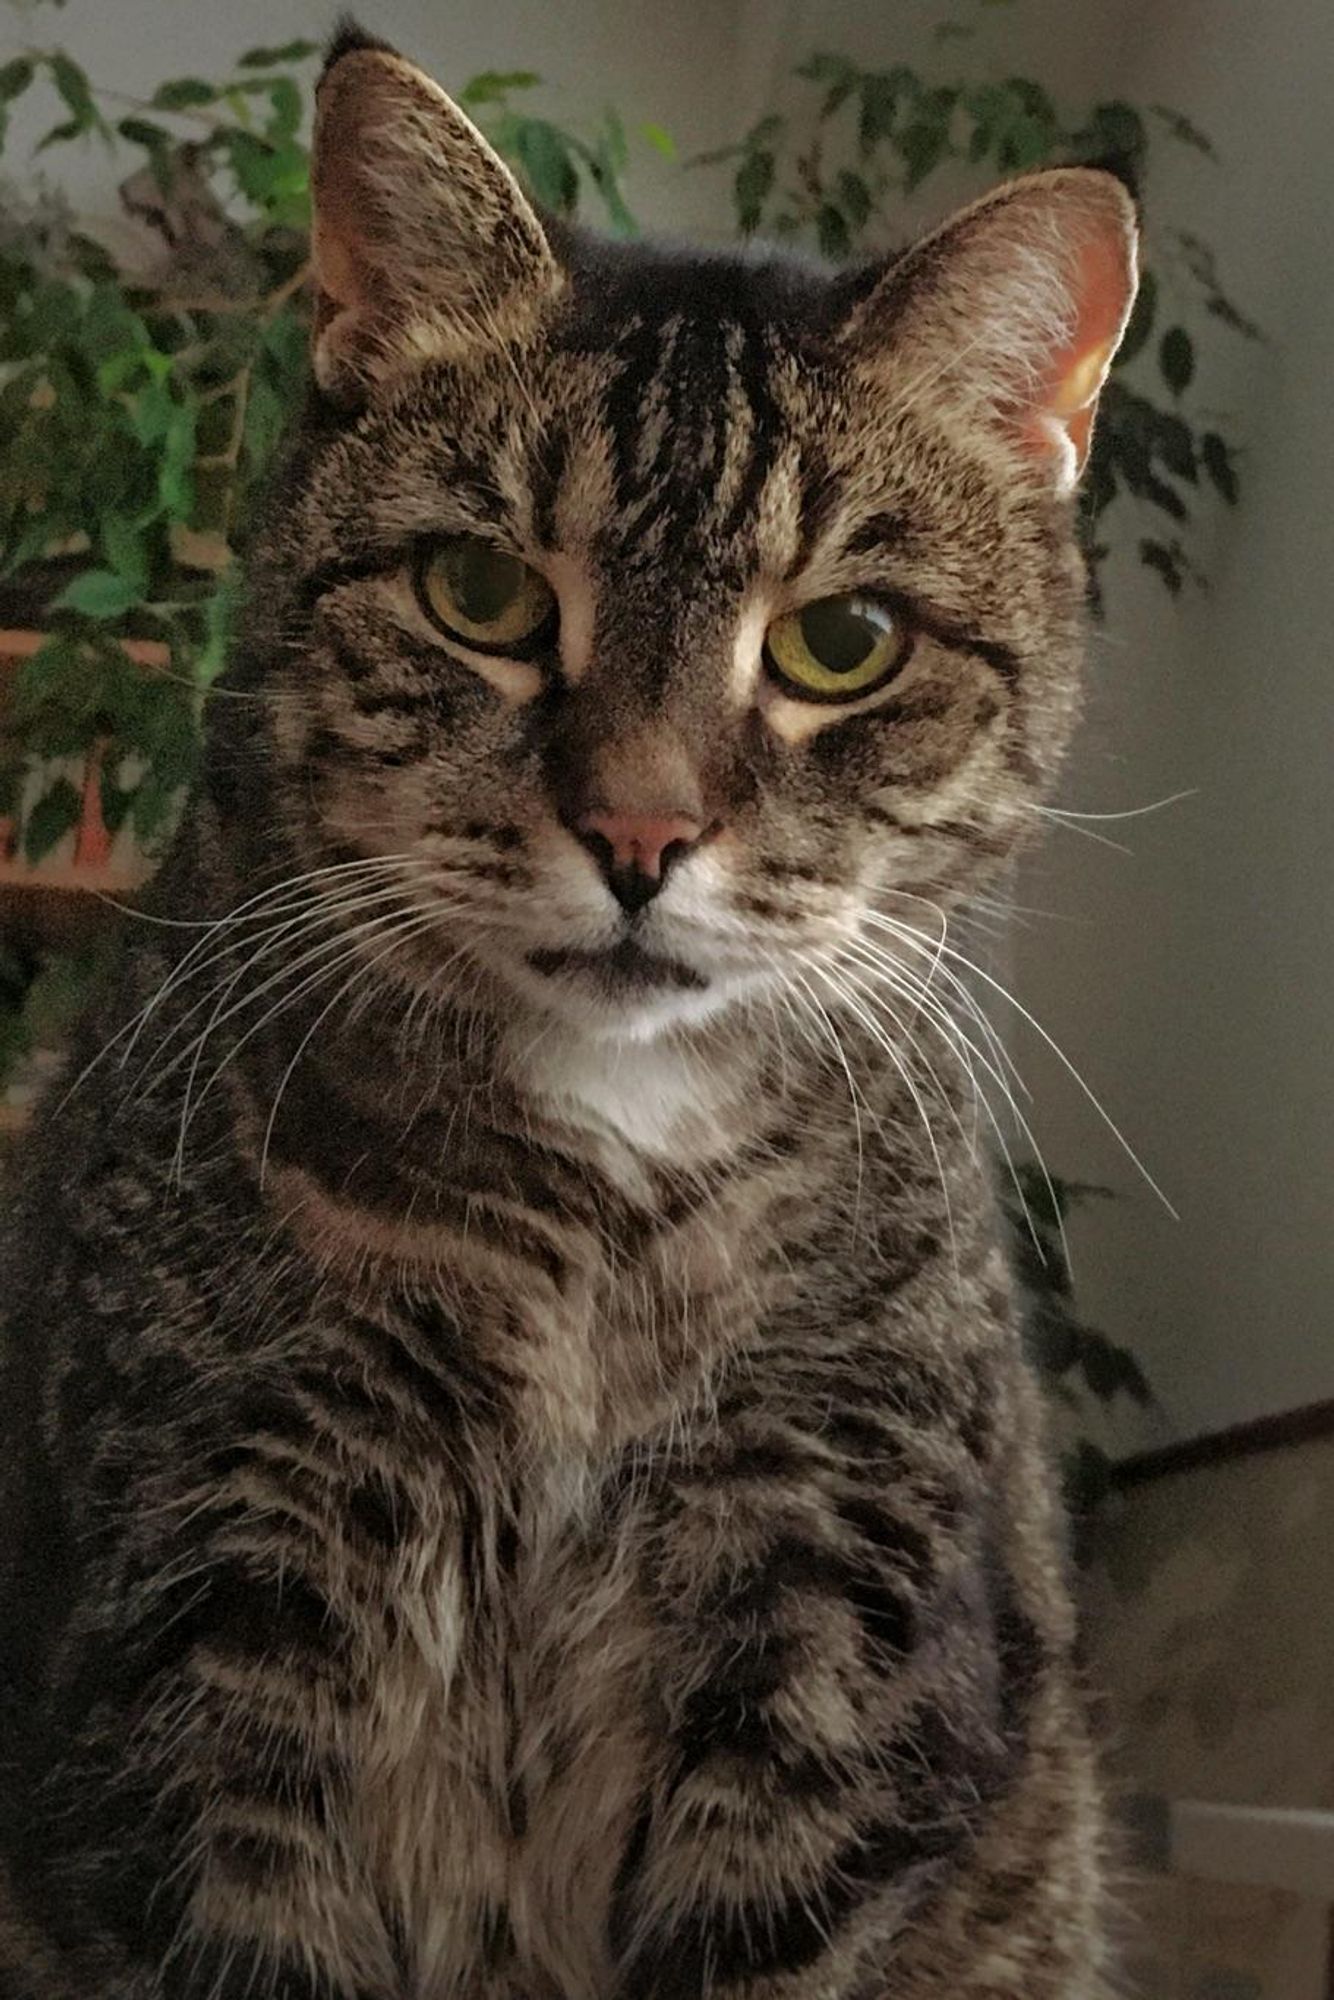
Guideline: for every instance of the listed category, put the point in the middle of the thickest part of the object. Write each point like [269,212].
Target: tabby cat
[521,1479]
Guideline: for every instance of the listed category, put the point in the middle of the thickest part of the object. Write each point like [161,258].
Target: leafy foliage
[1074,1362]
[140,410]
[836,171]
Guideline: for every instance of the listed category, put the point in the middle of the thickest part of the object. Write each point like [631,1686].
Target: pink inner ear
[1104,291]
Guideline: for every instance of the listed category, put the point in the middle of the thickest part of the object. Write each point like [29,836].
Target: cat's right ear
[423,245]
[1009,315]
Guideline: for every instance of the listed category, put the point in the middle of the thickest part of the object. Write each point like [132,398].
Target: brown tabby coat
[522,1483]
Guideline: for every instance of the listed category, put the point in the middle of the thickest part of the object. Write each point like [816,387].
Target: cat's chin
[621,992]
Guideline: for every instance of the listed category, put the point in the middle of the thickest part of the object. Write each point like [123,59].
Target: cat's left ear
[423,245]
[1012,311]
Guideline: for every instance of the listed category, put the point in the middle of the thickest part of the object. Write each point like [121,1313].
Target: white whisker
[908,936]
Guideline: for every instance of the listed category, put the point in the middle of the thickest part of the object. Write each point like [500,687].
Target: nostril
[632,888]
[674,851]
[643,841]
[601,849]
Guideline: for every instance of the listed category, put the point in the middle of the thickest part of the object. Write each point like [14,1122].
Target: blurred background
[1174,937]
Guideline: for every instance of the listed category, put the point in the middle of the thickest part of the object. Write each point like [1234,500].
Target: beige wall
[1209,1621]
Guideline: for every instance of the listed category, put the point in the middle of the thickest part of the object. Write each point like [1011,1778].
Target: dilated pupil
[837,637]
[483,582]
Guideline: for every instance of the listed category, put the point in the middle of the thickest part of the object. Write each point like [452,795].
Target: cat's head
[670,611]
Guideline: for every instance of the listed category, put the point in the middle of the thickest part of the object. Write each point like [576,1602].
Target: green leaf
[490,85]
[1028,141]
[156,141]
[766,130]
[287,52]
[1031,98]
[15,77]
[286,101]
[1175,446]
[831,231]
[923,146]
[219,614]
[881,94]
[266,172]
[1202,264]
[1157,556]
[1120,130]
[150,416]
[1217,458]
[115,799]
[544,154]
[660,139]
[855,197]
[265,415]
[1184,129]
[175,485]
[69,128]
[1141,320]
[123,547]
[52,316]
[826,66]
[751,189]
[617,147]
[97,593]
[1176,357]
[717,156]
[53,816]
[73,86]
[601,164]
[151,803]
[183,93]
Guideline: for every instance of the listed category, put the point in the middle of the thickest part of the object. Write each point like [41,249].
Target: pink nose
[634,851]
[639,840]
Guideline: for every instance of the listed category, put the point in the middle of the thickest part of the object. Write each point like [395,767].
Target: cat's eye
[837,648]
[484,596]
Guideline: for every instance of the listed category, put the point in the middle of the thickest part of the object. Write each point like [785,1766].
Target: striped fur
[522,1483]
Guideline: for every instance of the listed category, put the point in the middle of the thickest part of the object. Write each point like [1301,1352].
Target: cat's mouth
[622,968]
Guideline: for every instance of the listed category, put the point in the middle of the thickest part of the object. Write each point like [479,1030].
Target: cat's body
[526,1484]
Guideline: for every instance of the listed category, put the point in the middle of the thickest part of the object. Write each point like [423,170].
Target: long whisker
[426,921]
[885,1042]
[904,980]
[820,1014]
[909,937]
[394,926]
[282,937]
[1130,812]
[214,928]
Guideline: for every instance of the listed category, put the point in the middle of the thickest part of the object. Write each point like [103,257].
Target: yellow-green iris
[483,595]
[837,648]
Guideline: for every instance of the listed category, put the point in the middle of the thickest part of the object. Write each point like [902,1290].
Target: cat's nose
[636,851]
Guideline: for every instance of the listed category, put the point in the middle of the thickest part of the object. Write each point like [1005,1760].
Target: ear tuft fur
[347,39]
